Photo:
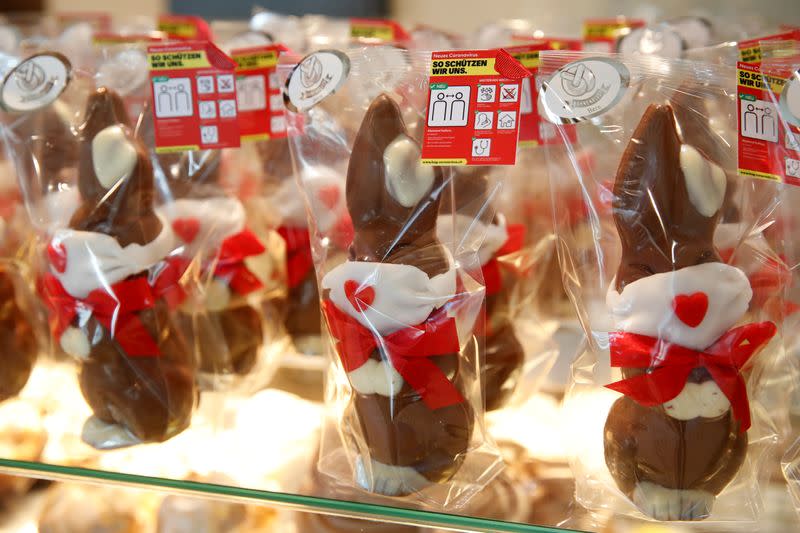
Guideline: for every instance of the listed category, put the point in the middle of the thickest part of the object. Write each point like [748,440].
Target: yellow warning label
[380,32]
[183,30]
[170,149]
[528,59]
[593,31]
[483,66]
[443,162]
[757,174]
[254,60]
[756,80]
[187,59]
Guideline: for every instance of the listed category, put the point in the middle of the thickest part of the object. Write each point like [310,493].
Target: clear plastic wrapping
[153,276]
[677,289]
[402,299]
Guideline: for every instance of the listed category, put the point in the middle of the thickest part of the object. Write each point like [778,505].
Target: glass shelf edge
[296,501]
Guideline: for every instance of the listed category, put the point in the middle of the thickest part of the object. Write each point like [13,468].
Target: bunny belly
[402,431]
[303,316]
[645,447]
[502,366]
[228,341]
[152,397]
[18,342]
[504,354]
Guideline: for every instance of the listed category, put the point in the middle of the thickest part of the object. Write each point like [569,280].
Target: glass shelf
[223,454]
[299,502]
[272,466]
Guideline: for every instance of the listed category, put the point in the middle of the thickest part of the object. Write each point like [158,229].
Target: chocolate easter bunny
[16,335]
[678,435]
[16,328]
[503,353]
[303,320]
[326,195]
[210,224]
[111,287]
[388,308]
[229,330]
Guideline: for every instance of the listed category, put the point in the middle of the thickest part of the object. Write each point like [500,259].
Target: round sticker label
[316,77]
[125,72]
[790,100]
[661,41]
[35,82]
[584,89]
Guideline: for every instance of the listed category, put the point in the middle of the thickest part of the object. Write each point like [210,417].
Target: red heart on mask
[359,297]
[329,196]
[691,308]
[186,228]
[57,255]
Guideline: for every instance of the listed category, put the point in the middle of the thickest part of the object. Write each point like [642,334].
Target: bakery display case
[325,330]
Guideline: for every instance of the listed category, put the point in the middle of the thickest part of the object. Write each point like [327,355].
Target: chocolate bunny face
[392,199]
[667,198]
[115,176]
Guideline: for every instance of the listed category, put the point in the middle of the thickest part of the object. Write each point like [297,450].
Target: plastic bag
[229,268]
[402,306]
[20,330]
[669,294]
[111,281]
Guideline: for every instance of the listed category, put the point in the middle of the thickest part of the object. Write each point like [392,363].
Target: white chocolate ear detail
[113,156]
[407,180]
[698,400]
[376,377]
[705,181]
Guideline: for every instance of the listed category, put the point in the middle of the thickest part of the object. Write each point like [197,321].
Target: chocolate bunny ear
[392,199]
[469,191]
[695,123]
[103,109]
[53,146]
[115,176]
[667,198]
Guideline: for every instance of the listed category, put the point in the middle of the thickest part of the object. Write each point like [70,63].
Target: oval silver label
[315,78]
[660,41]
[790,100]
[584,89]
[35,82]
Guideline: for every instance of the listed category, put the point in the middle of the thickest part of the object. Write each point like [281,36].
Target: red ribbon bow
[409,351]
[116,309]
[669,366]
[230,261]
[298,253]
[491,270]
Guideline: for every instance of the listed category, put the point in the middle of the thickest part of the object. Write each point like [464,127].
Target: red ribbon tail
[491,277]
[516,238]
[297,267]
[429,381]
[132,336]
[244,282]
[354,343]
[654,388]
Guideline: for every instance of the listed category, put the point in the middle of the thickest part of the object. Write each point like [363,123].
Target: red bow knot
[491,270]
[298,254]
[115,308]
[409,350]
[230,264]
[669,365]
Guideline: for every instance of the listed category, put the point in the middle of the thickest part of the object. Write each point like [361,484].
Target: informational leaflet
[261,111]
[194,97]
[473,108]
